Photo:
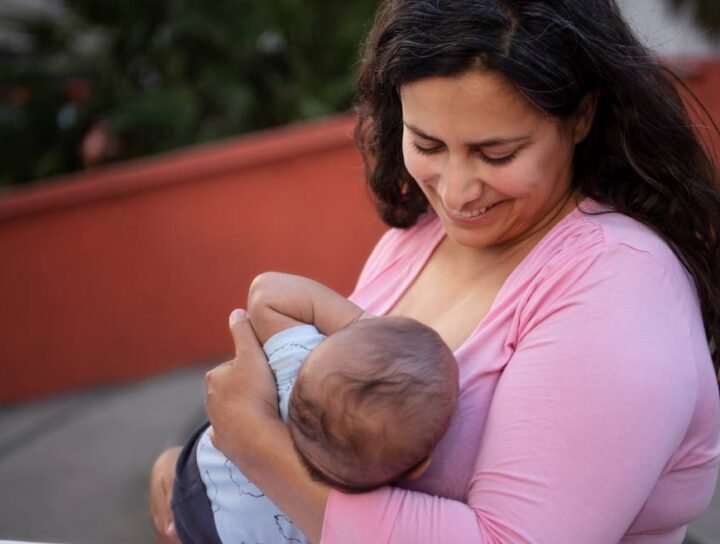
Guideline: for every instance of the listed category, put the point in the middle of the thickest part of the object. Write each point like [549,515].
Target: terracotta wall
[130,271]
[122,273]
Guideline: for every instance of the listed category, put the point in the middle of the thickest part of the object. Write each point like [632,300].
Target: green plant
[707,12]
[146,77]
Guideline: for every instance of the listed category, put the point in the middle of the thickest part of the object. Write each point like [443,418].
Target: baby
[365,409]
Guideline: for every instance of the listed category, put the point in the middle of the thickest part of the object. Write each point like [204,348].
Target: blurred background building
[676,27]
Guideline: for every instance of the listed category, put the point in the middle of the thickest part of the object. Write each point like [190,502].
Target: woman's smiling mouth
[471,216]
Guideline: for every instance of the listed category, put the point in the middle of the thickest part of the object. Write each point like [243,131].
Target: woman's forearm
[241,404]
[272,464]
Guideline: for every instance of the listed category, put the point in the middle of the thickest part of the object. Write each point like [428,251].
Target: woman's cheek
[524,178]
[419,167]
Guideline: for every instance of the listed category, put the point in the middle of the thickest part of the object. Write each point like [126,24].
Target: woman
[557,223]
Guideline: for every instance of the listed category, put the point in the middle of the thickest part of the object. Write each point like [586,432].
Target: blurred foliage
[707,12]
[156,75]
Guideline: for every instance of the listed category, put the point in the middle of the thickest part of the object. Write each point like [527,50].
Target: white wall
[666,30]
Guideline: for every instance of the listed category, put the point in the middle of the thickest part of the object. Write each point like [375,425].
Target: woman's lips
[472,217]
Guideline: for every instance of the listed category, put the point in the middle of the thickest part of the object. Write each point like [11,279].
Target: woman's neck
[506,255]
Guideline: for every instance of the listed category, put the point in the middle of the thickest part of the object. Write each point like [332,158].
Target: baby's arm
[277,301]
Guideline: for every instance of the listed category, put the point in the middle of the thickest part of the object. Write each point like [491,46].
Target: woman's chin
[476,233]
[469,238]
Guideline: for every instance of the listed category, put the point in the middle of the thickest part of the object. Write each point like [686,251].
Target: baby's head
[371,402]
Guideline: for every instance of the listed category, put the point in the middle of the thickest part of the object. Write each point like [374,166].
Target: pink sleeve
[585,417]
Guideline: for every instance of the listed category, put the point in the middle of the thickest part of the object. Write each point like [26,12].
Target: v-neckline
[417,266]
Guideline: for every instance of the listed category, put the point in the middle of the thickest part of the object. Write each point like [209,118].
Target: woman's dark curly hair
[642,156]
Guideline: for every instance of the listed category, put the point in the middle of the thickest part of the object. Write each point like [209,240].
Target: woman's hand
[240,394]
[162,477]
[241,404]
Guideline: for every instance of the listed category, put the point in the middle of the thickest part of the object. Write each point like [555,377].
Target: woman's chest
[450,300]
[481,335]
[481,361]
[475,312]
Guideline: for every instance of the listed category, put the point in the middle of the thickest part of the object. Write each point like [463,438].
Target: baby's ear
[419,469]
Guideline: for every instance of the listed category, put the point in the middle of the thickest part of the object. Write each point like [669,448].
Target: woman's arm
[241,404]
[583,421]
[242,407]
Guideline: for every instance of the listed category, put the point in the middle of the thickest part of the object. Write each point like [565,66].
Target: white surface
[667,31]
[21,542]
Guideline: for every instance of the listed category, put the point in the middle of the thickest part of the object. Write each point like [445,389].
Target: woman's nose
[459,183]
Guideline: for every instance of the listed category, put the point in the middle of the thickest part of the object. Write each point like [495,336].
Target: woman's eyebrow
[490,142]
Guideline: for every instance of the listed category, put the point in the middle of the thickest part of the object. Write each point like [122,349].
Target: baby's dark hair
[372,401]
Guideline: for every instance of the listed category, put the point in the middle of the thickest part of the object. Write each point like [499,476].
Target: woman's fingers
[243,335]
[216,380]
[162,477]
[240,393]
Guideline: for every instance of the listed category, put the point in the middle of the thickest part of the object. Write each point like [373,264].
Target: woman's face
[495,169]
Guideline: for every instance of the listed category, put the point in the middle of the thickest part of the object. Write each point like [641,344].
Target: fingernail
[170,530]
[236,315]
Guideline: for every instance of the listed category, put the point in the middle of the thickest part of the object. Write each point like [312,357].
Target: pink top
[588,410]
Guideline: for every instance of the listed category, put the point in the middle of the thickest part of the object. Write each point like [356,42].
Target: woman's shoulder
[594,232]
[595,250]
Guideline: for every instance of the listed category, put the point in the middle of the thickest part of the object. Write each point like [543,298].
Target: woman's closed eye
[427,149]
[498,161]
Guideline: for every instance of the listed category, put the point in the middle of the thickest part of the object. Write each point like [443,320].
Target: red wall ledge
[172,168]
[123,272]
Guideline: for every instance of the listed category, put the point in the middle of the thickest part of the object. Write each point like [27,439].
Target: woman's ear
[584,116]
